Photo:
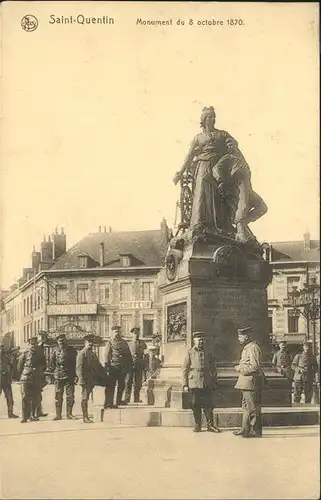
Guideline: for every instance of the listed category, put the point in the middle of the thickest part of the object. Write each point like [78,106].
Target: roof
[148,249]
[294,250]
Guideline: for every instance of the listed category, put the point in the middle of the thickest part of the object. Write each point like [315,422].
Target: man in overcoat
[305,368]
[88,370]
[62,366]
[250,382]
[6,369]
[138,349]
[118,362]
[30,368]
[200,379]
[282,360]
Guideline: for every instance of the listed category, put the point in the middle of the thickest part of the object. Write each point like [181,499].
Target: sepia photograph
[159,250]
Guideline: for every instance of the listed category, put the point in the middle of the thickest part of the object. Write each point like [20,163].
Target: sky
[96,119]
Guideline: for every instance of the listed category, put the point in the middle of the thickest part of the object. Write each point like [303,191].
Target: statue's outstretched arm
[188,160]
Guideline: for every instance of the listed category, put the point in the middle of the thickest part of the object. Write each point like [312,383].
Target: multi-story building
[294,263]
[106,279]
[110,278]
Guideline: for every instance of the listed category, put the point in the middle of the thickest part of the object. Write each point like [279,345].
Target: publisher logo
[29,23]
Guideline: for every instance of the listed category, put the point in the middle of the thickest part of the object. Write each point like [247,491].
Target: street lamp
[307,303]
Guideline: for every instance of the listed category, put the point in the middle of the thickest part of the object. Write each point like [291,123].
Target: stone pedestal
[214,284]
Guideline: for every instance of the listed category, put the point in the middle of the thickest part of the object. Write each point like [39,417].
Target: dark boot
[10,413]
[69,412]
[197,412]
[58,412]
[210,421]
[84,407]
[25,407]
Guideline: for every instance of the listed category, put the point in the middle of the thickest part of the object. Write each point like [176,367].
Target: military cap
[89,337]
[198,335]
[117,327]
[282,341]
[308,342]
[61,336]
[244,331]
[135,329]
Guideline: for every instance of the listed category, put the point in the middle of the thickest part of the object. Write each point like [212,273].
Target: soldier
[6,370]
[282,361]
[200,378]
[41,338]
[30,371]
[250,382]
[138,350]
[88,369]
[118,362]
[62,366]
[305,373]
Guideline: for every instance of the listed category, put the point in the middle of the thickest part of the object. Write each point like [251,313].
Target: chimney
[59,243]
[110,230]
[99,229]
[46,250]
[26,273]
[101,254]
[307,241]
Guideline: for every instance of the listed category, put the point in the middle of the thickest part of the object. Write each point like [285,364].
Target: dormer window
[83,260]
[125,260]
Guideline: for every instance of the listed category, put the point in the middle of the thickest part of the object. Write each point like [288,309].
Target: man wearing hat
[200,378]
[88,369]
[138,350]
[282,360]
[118,362]
[305,373]
[250,382]
[62,366]
[30,370]
[6,368]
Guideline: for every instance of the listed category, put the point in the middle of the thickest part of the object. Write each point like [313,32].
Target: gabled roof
[294,250]
[148,249]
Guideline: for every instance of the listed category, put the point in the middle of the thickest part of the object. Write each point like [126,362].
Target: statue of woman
[223,199]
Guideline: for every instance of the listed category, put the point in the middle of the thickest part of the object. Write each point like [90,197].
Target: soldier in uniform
[88,369]
[118,362]
[138,350]
[250,382]
[6,369]
[200,378]
[62,366]
[282,361]
[305,373]
[30,369]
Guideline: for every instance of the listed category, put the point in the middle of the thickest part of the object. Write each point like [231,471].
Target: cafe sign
[136,304]
[71,309]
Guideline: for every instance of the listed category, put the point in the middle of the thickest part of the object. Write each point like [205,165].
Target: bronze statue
[217,194]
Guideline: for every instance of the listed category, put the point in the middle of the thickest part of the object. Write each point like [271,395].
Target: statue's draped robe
[209,209]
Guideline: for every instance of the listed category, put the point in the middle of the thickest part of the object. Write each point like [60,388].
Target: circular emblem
[29,23]
[171,266]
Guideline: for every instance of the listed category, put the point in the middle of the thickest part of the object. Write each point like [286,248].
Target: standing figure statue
[223,200]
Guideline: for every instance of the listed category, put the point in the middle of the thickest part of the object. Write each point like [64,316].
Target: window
[270,322]
[39,300]
[292,281]
[24,307]
[126,324]
[148,291]
[125,261]
[41,323]
[82,294]
[148,325]
[293,321]
[103,326]
[61,294]
[125,292]
[104,293]
[83,261]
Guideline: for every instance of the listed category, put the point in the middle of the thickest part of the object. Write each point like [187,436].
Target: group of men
[200,380]
[124,365]
[303,370]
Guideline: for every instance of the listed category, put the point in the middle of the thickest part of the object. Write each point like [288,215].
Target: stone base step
[145,416]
